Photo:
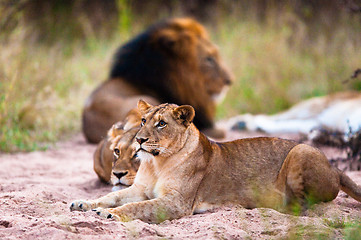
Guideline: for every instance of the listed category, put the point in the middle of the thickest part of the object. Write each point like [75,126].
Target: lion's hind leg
[307,177]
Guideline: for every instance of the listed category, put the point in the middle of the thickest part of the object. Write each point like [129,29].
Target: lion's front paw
[106,213]
[81,205]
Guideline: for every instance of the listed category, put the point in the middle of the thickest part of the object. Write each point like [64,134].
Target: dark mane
[161,63]
[142,64]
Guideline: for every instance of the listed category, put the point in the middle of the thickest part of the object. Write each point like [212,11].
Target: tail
[349,186]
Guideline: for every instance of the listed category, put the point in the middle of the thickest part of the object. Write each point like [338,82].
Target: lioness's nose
[142,140]
[120,174]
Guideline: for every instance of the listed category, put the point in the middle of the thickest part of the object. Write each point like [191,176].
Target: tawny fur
[336,112]
[183,172]
[121,136]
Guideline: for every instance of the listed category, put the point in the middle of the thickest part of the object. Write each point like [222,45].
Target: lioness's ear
[184,114]
[143,106]
[116,130]
[133,119]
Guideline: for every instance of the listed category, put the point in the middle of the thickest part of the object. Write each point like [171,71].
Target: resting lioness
[121,136]
[338,112]
[182,172]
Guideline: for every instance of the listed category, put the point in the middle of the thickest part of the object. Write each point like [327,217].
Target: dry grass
[43,89]
[276,63]
[279,63]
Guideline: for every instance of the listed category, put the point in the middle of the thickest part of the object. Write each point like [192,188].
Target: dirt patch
[36,189]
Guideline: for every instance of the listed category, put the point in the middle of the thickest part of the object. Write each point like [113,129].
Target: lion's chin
[119,187]
[119,184]
[145,156]
[219,97]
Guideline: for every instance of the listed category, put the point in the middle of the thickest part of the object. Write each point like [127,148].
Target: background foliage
[53,53]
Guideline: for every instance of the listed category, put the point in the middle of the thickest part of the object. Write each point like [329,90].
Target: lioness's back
[264,152]
[254,159]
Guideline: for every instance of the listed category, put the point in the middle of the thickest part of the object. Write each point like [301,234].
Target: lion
[115,159]
[183,172]
[172,61]
[338,112]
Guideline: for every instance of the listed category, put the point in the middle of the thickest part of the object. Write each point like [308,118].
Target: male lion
[118,146]
[183,172]
[172,61]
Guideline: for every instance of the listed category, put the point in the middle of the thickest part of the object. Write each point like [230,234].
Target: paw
[81,205]
[106,213]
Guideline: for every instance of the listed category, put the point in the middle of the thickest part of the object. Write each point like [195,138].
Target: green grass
[276,63]
[43,89]
[352,230]
[348,229]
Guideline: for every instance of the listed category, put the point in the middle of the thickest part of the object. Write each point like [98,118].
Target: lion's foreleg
[153,211]
[113,199]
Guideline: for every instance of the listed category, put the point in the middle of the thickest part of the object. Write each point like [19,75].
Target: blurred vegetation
[53,53]
[332,229]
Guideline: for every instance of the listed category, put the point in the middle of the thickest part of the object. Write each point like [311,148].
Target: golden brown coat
[183,172]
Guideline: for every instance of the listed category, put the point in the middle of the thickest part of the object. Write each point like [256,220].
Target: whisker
[164,150]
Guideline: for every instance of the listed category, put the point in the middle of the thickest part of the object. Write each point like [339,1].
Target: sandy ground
[36,189]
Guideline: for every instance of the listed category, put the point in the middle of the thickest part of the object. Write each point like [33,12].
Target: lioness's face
[163,129]
[125,164]
[122,137]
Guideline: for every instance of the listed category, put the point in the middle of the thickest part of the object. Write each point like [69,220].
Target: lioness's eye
[143,122]
[116,152]
[161,124]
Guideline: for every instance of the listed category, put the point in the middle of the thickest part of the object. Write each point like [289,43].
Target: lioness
[172,61]
[183,172]
[338,112]
[121,136]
